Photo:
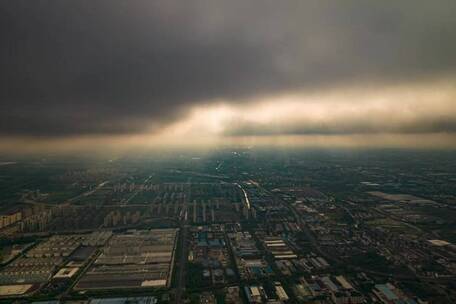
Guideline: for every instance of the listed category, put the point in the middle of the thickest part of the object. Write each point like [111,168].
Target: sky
[107,74]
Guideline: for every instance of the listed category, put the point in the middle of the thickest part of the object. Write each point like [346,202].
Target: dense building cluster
[234,228]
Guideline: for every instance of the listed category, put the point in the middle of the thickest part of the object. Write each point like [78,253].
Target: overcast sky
[119,69]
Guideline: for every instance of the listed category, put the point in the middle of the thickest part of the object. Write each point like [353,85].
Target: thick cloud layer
[115,67]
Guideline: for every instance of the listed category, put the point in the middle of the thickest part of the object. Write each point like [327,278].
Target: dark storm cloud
[90,67]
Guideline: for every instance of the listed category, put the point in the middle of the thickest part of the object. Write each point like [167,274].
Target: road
[309,234]
[87,193]
[246,197]
[136,191]
[399,219]
[298,219]
[81,272]
[180,274]
[68,201]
